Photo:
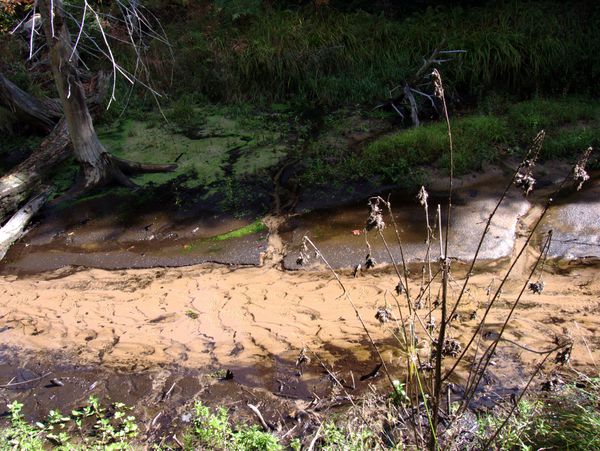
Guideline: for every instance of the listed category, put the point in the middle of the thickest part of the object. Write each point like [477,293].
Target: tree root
[129,167]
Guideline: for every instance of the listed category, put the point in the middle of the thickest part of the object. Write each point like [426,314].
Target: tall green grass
[333,57]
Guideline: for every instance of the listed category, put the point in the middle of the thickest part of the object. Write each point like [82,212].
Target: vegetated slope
[341,57]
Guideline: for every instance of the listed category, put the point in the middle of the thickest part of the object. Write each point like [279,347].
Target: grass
[333,57]
[402,158]
[541,113]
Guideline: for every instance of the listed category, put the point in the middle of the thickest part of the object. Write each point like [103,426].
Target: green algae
[219,146]
[255,227]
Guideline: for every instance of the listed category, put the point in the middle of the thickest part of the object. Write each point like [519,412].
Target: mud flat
[148,328]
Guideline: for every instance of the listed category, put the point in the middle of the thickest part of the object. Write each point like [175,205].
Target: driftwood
[408,89]
[17,185]
[14,229]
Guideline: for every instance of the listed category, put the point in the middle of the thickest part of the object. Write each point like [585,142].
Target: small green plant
[19,434]
[211,430]
[344,437]
[253,439]
[92,426]
[399,395]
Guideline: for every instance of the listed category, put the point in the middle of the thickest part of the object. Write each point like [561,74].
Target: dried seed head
[564,355]
[536,287]
[534,150]
[426,366]
[580,175]
[553,383]
[419,303]
[369,262]
[302,358]
[383,315]
[304,256]
[431,325]
[524,179]
[423,196]
[437,84]
[525,182]
[375,219]
[451,347]
[399,288]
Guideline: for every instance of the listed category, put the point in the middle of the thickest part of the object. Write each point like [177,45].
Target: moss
[64,176]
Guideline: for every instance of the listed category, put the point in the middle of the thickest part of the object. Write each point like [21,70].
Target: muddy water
[138,331]
[339,234]
[116,231]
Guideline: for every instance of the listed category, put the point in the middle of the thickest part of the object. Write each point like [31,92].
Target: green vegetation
[204,142]
[256,227]
[213,431]
[401,158]
[340,57]
[282,76]
[564,419]
[568,419]
[93,427]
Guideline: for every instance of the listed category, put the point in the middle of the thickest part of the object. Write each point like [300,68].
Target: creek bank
[144,234]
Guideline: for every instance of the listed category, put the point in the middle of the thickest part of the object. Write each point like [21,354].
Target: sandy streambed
[159,338]
[210,317]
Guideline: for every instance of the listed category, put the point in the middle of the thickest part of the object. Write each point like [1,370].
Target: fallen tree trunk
[21,181]
[14,229]
[44,113]
[98,166]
